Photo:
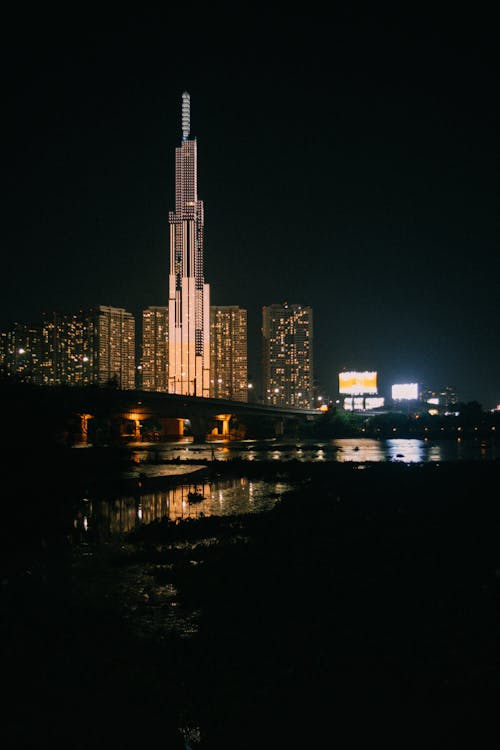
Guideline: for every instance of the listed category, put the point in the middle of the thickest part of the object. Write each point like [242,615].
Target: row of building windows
[98,346]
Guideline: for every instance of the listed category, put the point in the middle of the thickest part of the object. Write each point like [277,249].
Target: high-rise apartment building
[287,355]
[154,356]
[53,352]
[96,346]
[4,354]
[228,353]
[112,346]
[66,345]
[189,296]
[21,354]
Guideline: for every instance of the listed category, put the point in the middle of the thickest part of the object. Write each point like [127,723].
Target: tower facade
[287,355]
[154,357]
[228,353]
[189,296]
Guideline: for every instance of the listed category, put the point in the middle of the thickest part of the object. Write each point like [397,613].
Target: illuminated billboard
[353,404]
[357,383]
[405,392]
[359,403]
[374,402]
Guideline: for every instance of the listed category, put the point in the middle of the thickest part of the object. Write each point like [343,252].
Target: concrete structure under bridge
[159,416]
[107,415]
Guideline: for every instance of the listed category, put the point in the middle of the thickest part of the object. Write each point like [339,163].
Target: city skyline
[358,175]
[100,346]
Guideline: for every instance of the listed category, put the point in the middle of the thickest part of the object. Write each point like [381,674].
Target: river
[103,518]
[407,450]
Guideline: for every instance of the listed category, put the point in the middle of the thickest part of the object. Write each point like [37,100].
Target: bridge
[165,415]
[99,415]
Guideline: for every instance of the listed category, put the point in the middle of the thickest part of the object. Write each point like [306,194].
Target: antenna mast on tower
[186,109]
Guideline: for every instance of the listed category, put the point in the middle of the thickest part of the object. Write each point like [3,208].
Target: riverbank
[362,609]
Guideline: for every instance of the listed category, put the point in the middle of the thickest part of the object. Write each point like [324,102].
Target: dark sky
[349,163]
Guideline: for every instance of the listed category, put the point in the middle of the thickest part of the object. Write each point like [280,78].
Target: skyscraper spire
[186,112]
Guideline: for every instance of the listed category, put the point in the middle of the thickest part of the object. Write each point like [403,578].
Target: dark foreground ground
[363,611]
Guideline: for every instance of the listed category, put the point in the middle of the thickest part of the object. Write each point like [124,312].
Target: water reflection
[409,450]
[361,450]
[233,496]
[103,519]
[434,452]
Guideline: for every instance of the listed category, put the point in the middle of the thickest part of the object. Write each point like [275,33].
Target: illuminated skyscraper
[66,349]
[189,296]
[112,348]
[154,359]
[287,356]
[228,353]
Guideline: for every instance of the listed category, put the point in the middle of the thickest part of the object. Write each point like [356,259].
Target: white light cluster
[405,392]
[374,402]
[359,403]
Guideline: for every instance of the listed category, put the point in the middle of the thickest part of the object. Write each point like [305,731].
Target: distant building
[66,344]
[112,347]
[4,353]
[449,396]
[441,400]
[228,353]
[21,352]
[54,352]
[154,354]
[96,346]
[287,355]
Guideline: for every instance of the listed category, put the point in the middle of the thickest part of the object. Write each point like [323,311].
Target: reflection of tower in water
[120,515]
[172,504]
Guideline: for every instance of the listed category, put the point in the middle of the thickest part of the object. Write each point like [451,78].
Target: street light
[19,363]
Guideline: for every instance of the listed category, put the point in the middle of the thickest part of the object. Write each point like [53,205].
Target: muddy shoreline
[364,606]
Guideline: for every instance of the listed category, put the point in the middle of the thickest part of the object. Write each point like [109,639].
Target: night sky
[347,163]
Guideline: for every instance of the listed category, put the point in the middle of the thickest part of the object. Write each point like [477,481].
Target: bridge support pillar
[279,427]
[137,429]
[200,427]
[82,436]
[222,428]
[171,427]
